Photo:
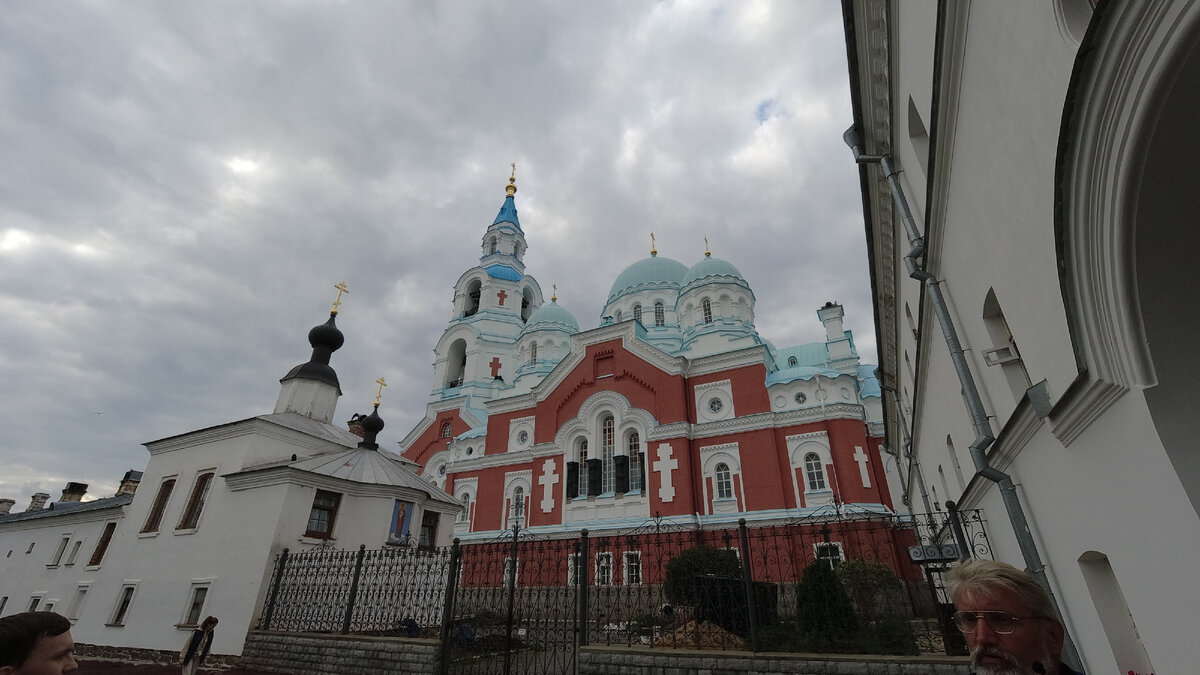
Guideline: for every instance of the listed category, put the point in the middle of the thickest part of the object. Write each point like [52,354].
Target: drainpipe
[979,419]
[906,443]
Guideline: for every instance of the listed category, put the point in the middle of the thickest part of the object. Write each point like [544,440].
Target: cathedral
[673,406]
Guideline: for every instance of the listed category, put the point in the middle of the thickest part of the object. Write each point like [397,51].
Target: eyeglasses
[1001,623]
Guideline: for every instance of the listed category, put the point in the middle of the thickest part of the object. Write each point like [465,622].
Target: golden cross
[382,383]
[706,251]
[514,173]
[554,297]
[653,251]
[341,288]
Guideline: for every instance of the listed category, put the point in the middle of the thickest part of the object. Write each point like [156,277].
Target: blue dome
[712,267]
[551,315]
[651,271]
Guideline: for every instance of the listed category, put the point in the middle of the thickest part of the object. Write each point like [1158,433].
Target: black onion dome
[325,340]
[372,424]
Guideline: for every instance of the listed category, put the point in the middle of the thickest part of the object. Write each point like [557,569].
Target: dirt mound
[700,635]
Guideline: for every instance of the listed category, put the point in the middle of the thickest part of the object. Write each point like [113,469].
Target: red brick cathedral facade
[673,406]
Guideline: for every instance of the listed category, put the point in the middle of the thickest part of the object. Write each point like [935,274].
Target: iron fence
[520,603]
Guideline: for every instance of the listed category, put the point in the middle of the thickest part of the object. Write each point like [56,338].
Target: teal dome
[712,267]
[653,271]
[551,315]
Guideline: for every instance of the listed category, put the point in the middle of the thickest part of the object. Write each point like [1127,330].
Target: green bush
[873,587]
[889,635]
[824,613]
[682,570]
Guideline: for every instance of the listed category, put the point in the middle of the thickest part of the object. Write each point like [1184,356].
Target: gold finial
[341,288]
[511,188]
[653,251]
[382,383]
[707,253]
[554,296]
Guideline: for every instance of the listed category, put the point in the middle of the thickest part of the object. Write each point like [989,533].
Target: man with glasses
[1007,618]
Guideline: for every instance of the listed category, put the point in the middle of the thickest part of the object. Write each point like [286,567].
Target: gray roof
[64,508]
[364,465]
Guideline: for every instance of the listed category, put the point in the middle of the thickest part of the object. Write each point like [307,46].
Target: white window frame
[512,566]
[193,509]
[633,450]
[626,566]
[197,585]
[35,599]
[573,564]
[810,474]
[660,314]
[81,593]
[718,483]
[74,553]
[604,561]
[833,561]
[608,447]
[60,551]
[119,616]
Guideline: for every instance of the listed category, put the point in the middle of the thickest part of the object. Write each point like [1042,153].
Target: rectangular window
[58,552]
[160,505]
[323,514]
[632,567]
[572,569]
[604,569]
[74,553]
[429,523]
[124,600]
[77,602]
[829,552]
[3,602]
[102,545]
[195,505]
[512,570]
[195,607]
[49,606]
[607,466]
[34,601]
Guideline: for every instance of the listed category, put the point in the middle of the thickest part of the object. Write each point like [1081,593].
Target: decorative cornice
[258,426]
[286,475]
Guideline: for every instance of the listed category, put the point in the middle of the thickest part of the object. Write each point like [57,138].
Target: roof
[712,267]
[64,508]
[868,383]
[364,465]
[508,213]
[553,316]
[502,271]
[651,271]
[811,354]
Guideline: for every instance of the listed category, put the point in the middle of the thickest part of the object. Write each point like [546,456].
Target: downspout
[970,392]
[906,454]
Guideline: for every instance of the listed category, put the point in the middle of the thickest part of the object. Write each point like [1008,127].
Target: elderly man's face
[1031,639]
[51,655]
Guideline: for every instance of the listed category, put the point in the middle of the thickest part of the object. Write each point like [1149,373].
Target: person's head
[208,624]
[36,643]
[1007,617]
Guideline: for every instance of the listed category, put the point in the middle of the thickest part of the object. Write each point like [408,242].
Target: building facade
[673,406]
[1025,170]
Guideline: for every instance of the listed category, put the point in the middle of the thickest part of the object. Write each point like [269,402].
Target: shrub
[682,570]
[873,587]
[824,613]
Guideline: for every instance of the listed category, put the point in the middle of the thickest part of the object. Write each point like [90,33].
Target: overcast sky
[182,184]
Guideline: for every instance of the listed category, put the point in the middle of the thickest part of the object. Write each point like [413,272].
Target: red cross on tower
[502,295]
[495,364]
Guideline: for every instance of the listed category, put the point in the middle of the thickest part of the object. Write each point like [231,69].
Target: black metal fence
[519,603]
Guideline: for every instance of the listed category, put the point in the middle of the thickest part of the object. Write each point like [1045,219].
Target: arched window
[607,466]
[792,362]
[618,317]
[724,482]
[637,313]
[518,502]
[707,310]
[633,449]
[582,457]
[465,498]
[660,314]
[473,291]
[815,471]
[492,246]
[446,428]
[533,353]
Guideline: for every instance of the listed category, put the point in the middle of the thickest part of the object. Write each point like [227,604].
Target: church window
[604,569]
[533,354]
[523,437]
[815,471]
[724,481]
[518,504]
[607,466]
[473,292]
[195,505]
[583,466]
[323,514]
[446,428]
[660,314]
[470,451]
[102,545]
[637,313]
[632,568]
[792,362]
[715,405]
[160,505]
[465,498]
[801,397]
[492,246]
[442,470]
[830,552]
[634,450]
[428,536]
[707,306]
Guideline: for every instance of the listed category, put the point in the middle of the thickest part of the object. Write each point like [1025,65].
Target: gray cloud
[183,183]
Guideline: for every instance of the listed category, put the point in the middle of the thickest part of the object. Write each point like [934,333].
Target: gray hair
[970,577]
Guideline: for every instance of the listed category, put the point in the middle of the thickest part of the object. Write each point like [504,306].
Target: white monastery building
[1028,170]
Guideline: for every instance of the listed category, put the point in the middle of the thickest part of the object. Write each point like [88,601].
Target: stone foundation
[322,654]
[626,661]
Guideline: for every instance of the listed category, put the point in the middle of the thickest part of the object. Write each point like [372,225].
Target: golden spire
[554,296]
[707,253]
[511,188]
[341,288]
[653,250]
[382,383]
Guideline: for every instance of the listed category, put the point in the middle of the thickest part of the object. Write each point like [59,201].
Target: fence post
[748,583]
[512,596]
[964,551]
[448,605]
[581,580]
[275,583]
[362,551]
